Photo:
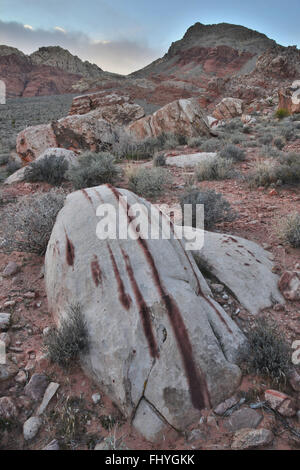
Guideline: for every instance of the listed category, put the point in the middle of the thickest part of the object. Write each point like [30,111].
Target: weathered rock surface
[36,386]
[280,402]
[78,132]
[113,108]
[243,418]
[8,409]
[190,160]
[178,345]
[289,285]
[289,98]
[4,320]
[228,108]
[184,117]
[251,438]
[67,155]
[243,266]
[7,371]
[31,427]
[10,269]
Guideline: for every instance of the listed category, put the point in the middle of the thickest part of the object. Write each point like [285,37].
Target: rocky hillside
[48,71]
[62,59]
[207,50]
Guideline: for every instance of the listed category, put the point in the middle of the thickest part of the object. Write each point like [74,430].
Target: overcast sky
[125,35]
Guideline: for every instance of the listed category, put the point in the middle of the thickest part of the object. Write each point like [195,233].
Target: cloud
[58,28]
[119,56]
[28,26]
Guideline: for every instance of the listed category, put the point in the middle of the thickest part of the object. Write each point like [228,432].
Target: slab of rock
[78,132]
[49,394]
[113,108]
[36,387]
[7,371]
[5,338]
[190,160]
[226,405]
[251,439]
[149,423]
[31,427]
[8,409]
[67,155]
[294,379]
[182,117]
[178,347]
[11,269]
[53,445]
[243,418]
[228,108]
[289,285]
[243,267]
[280,402]
[4,320]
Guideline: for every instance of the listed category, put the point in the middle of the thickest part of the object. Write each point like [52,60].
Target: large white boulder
[243,266]
[155,332]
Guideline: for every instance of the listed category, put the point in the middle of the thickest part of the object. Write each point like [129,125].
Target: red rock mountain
[209,62]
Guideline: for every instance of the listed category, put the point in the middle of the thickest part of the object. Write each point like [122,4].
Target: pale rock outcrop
[190,160]
[242,266]
[67,155]
[184,117]
[289,285]
[155,332]
[113,108]
[289,98]
[34,140]
[228,108]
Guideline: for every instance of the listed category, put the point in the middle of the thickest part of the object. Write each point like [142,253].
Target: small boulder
[36,387]
[289,285]
[251,438]
[243,418]
[280,402]
[31,427]
[10,269]
[228,108]
[53,445]
[4,320]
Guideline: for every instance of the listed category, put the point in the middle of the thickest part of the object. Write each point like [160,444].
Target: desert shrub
[263,174]
[279,143]
[211,145]
[288,132]
[64,344]
[159,159]
[50,169]
[195,142]
[266,139]
[12,166]
[28,224]
[288,170]
[4,158]
[282,113]
[93,169]
[268,354]
[182,139]
[233,153]
[295,117]
[70,420]
[246,129]
[288,229]
[238,138]
[233,125]
[216,208]
[147,182]
[214,169]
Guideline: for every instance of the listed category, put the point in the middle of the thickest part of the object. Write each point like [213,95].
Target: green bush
[28,224]
[268,354]
[93,169]
[148,182]
[211,145]
[216,208]
[288,229]
[50,169]
[282,113]
[233,153]
[214,169]
[71,338]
